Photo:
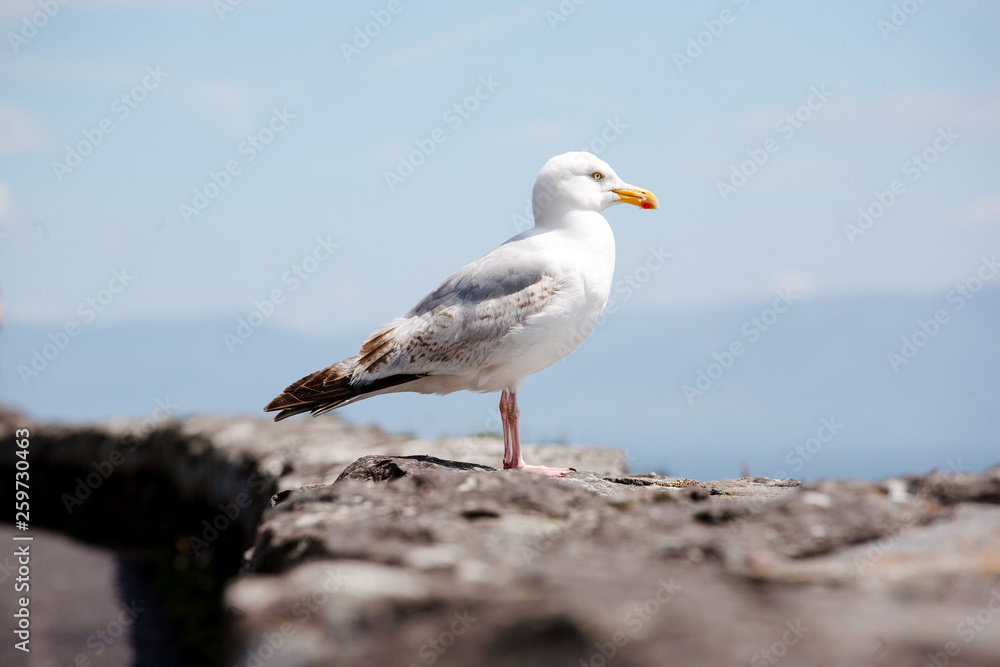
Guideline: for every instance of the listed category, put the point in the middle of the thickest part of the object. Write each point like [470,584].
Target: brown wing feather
[377,349]
[327,389]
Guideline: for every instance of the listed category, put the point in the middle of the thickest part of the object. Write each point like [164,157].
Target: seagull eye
[597,176]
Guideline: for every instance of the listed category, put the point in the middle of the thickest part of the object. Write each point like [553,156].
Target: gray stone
[559,571]
[362,548]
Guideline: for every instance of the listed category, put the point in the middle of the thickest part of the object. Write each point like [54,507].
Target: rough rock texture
[359,548]
[213,460]
[418,561]
[181,502]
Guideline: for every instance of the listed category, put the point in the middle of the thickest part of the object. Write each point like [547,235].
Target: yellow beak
[637,197]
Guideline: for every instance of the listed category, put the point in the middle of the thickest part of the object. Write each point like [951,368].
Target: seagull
[517,310]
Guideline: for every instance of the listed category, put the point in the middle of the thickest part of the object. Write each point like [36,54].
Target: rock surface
[419,561]
[359,548]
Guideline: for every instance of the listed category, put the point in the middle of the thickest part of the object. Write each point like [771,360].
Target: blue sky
[678,133]
[832,104]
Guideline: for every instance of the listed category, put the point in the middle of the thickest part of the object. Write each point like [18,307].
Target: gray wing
[476,283]
[460,326]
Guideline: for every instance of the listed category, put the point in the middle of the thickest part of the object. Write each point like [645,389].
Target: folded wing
[456,330]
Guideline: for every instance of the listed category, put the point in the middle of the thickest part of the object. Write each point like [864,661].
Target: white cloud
[888,112]
[15,10]
[531,132]
[120,5]
[6,202]
[75,71]
[983,211]
[471,32]
[20,131]
[795,282]
[231,106]
[920,109]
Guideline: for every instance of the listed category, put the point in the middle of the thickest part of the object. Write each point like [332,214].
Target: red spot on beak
[646,204]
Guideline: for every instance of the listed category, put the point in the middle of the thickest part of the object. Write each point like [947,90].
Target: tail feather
[327,389]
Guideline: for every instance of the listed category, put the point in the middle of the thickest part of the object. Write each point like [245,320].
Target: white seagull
[496,321]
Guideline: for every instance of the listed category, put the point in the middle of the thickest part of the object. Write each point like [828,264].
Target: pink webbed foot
[545,470]
[512,440]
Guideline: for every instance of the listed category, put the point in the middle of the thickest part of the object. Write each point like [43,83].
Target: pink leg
[512,459]
[512,444]
[504,414]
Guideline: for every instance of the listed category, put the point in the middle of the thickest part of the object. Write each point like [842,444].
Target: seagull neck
[571,220]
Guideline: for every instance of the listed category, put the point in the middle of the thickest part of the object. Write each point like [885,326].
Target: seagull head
[579,181]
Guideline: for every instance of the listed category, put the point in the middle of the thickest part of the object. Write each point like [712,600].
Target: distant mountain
[810,392]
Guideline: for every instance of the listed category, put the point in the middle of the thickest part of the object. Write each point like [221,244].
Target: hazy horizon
[318,168]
